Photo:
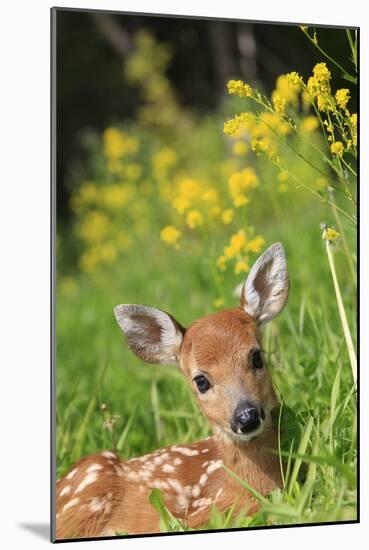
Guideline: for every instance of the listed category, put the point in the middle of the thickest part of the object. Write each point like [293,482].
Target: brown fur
[117,498]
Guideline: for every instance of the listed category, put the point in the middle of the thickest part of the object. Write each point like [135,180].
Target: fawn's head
[220,354]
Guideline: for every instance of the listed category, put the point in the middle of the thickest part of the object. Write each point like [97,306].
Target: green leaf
[290,427]
[167,521]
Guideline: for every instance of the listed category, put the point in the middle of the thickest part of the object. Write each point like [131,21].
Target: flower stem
[341,230]
[341,309]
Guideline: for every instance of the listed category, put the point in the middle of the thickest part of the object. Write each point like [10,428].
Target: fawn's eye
[257,360]
[202,383]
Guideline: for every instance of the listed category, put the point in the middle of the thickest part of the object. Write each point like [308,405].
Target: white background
[24,268]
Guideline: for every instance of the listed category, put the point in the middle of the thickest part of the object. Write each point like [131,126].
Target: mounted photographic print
[205,282]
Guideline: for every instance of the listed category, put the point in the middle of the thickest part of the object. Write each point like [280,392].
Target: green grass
[306,355]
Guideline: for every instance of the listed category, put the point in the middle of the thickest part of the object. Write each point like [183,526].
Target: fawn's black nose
[247,417]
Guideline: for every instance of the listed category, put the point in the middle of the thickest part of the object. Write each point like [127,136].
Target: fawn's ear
[152,335]
[265,291]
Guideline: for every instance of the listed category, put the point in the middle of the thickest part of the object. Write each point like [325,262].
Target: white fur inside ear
[152,334]
[265,291]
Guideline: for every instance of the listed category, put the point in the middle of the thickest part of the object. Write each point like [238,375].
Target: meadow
[171,209]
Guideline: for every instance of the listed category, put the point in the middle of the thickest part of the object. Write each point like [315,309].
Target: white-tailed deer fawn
[221,357]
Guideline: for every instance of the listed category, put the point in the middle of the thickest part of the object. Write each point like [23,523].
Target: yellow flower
[337,148]
[286,91]
[170,235]
[309,124]
[88,192]
[330,234]
[189,188]
[256,244]
[108,252]
[325,102]
[240,200]
[241,266]
[321,72]
[89,260]
[282,187]
[283,176]
[233,126]
[240,148]
[181,204]
[115,195]
[218,303]
[239,88]
[279,103]
[239,183]
[306,99]
[163,161]
[295,80]
[353,120]
[194,219]
[222,263]
[342,97]
[94,226]
[236,244]
[118,144]
[227,216]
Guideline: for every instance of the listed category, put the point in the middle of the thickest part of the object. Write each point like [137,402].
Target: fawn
[221,357]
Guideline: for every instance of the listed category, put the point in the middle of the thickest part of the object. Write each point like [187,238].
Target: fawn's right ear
[152,334]
[265,291]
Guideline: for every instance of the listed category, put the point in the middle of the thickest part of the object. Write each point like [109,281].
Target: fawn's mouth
[228,433]
[250,436]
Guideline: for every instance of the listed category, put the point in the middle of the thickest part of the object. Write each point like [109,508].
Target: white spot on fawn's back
[168,468]
[93,468]
[203,479]
[185,451]
[71,503]
[108,454]
[72,473]
[213,466]
[65,491]
[90,478]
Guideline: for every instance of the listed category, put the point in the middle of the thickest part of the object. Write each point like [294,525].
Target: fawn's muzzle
[247,417]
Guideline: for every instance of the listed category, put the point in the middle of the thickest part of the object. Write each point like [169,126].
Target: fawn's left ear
[153,335]
[265,291]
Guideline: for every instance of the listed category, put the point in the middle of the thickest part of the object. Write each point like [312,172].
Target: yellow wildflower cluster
[194,219]
[342,97]
[330,234]
[295,81]
[145,68]
[238,250]
[170,235]
[233,126]
[118,144]
[279,103]
[309,124]
[163,161]
[237,87]
[240,183]
[337,148]
[99,206]
[286,92]
[263,131]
